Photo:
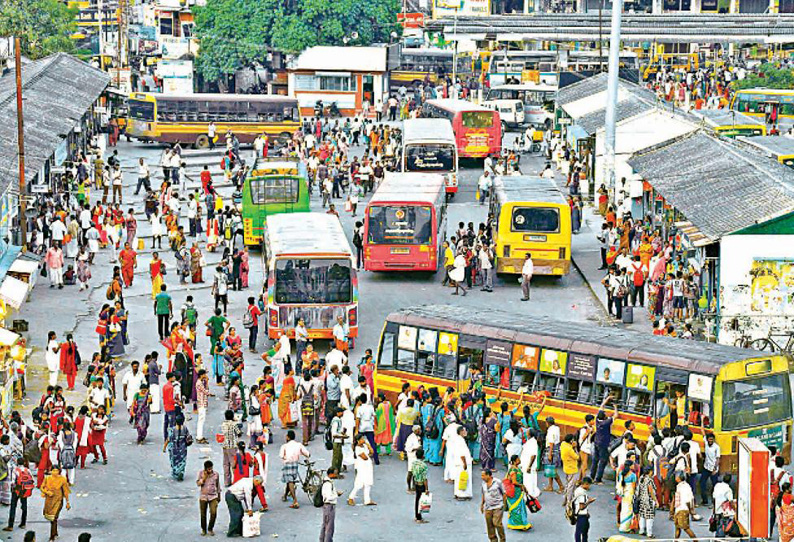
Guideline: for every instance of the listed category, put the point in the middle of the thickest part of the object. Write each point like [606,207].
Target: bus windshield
[758,401]
[406,225]
[430,157]
[477,119]
[274,190]
[536,219]
[141,110]
[313,281]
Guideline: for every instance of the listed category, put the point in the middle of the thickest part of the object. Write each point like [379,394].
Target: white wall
[761,301]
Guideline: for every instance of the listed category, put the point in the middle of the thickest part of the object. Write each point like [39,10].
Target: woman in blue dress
[217,358]
[503,418]
[432,446]
[472,411]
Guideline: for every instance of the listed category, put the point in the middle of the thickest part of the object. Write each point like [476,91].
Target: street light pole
[23,227]
[455,52]
[612,96]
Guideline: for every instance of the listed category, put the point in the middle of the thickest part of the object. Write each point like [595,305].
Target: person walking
[209,485]
[338,437]
[527,270]
[290,454]
[492,506]
[581,503]
[458,273]
[330,496]
[202,402]
[231,433]
[54,261]
[365,471]
[55,491]
[163,311]
[21,489]
[683,505]
[251,322]
[177,443]
[421,485]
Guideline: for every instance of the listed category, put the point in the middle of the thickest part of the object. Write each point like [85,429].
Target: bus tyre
[202,142]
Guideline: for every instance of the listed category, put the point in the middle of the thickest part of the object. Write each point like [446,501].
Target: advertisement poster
[640,377]
[498,353]
[772,287]
[448,8]
[581,366]
[406,340]
[448,344]
[553,361]
[427,340]
[700,387]
[610,371]
[525,357]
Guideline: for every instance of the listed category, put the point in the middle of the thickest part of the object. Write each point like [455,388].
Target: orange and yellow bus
[729,391]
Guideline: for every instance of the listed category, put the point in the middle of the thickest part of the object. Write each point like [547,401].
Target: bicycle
[769,344]
[312,481]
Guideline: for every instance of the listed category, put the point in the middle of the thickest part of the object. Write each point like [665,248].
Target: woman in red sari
[785,518]
[69,358]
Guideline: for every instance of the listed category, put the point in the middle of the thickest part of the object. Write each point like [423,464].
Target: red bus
[478,130]
[405,223]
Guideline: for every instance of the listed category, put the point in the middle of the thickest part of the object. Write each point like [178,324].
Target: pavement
[134,498]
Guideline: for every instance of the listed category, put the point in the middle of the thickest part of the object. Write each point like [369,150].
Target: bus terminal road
[134,495]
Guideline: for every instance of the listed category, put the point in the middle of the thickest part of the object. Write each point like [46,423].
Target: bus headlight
[352,317]
[273,318]
[506,251]
[452,180]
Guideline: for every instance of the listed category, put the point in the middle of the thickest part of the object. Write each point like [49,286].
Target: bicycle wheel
[312,484]
[765,345]
[741,342]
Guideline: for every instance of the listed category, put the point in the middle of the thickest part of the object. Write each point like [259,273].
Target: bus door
[471,351]
[668,386]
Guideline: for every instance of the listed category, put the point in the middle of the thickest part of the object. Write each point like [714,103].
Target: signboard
[553,361]
[406,340]
[610,371]
[498,353]
[525,357]
[581,366]
[177,76]
[444,8]
[640,377]
[700,387]
[411,20]
[769,436]
[752,505]
[122,82]
[447,344]
[174,47]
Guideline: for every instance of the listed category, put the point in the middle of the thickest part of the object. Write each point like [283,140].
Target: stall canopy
[690,170]
[14,291]
[8,337]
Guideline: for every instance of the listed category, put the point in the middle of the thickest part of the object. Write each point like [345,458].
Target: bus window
[497,376]
[580,391]
[522,381]
[552,384]
[446,367]
[425,363]
[313,281]
[142,110]
[639,402]
[477,119]
[535,219]
[274,190]
[406,361]
[410,225]
[603,389]
[755,401]
[469,357]
[700,413]
[387,351]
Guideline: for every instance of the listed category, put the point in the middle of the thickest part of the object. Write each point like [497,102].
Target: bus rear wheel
[202,142]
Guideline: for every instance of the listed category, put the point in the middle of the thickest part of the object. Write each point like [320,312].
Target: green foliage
[769,76]
[44,26]
[235,33]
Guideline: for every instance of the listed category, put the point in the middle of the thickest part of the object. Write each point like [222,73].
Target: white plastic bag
[251,525]
[425,502]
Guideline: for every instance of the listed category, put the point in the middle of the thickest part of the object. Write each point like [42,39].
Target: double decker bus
[429,146]
[477,129]
[310,273]
[530,216]
[581,368]
[273,186]
[405,223]
[184,118]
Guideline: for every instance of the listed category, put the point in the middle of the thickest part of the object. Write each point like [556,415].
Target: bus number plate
[535,238]
[400,251]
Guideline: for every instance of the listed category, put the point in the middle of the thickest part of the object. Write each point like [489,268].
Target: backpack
[431,429]
[32,453]
[471,430]
[191,315]
[24,484]
[307,402]
[570,514]
[639,276]
[357,241]
[317,498]
[248,319]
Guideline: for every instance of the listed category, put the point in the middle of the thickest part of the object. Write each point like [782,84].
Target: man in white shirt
[694,455]
[341,331]
[290,454]
[711,467]
[240,500]
[449,431]
[143,176]
[365,423]
[131,384]
[362,389]
[527,271]
[192,213]
[330,495]
[346,387]
[58,230]
[412,444]
[683,505]
[98,396]
[335,357]
[117,182]
[723,493]
[484,184]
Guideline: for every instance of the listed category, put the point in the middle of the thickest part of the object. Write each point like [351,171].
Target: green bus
[273,186]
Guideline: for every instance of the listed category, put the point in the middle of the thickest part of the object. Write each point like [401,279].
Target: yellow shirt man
[570,458]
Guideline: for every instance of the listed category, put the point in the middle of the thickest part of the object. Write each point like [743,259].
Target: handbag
[294,411]
[713,524]
[533,504]
[463,480]
[425,503]
[550,471]
[251,526]
[510,488]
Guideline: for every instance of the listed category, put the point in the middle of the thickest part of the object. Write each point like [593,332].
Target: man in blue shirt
[333,392]
[603,436]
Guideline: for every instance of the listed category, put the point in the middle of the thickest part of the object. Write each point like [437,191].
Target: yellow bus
[777,147]
[766,103]
[184,118]
[672,61]
[530,215]
[519,359]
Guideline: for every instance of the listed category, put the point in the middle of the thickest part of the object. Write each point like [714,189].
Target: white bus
[310,274]
[429,147]
[529,103]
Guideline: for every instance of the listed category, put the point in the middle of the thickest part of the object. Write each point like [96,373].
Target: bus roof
[526,86]
[524,188]
[208,97]
[409,187]
[290,234]
[457,106]
[417,130]
[275,165]
[777,146]
[427,52]
[583,338]
[764,90]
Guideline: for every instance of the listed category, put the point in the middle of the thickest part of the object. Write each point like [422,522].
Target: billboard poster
[498,353]
[525,357]
[581,366]
[553,361]
[406,340]
[447,8]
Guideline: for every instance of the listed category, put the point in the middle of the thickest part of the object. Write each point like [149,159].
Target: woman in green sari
[516,505]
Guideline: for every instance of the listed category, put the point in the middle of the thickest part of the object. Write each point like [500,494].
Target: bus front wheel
[202,142]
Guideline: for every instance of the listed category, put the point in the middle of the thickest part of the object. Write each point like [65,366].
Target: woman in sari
[55,491]
[627,484]
[516,507]
[785,517]
[176,443]
[121,314]
[488,431]
[195,264]
[141,411]
[114,339]
[156,268]
[384,425]
[244,267]
[286,398]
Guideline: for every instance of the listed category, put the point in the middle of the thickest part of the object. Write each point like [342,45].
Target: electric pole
[612,96]
[23,226]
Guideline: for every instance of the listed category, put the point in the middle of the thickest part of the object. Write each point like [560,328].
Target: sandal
[351,502]
[294,505]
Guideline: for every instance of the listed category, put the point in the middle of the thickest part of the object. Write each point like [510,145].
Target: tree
[235,33]
[43,26]
[769,76]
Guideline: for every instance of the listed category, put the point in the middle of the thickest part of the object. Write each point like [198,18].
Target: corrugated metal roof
[353,59]
[772,145]
[514,188]
[57,91]
[689,171]
[628,108]
[612,342]
[582,89]
[726,117]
